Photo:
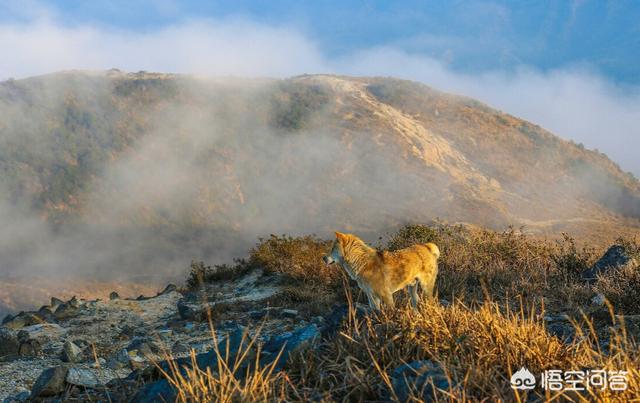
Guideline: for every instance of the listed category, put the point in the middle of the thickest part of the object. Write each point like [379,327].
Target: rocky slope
[99,348]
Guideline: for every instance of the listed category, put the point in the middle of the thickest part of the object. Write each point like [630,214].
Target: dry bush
[622,288]
[299,258]
[478,349]
[236,378]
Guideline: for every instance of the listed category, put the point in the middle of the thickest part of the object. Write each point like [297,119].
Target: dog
[380,274]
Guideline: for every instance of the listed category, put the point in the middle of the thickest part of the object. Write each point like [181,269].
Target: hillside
[109,174]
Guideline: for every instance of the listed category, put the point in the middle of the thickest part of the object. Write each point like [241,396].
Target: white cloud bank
[574,103]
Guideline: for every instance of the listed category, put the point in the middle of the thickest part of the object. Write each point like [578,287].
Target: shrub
[298,258]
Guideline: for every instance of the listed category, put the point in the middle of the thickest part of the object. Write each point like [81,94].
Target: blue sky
[571,66]
[471,36]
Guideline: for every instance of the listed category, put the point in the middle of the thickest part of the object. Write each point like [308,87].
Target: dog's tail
[434,249]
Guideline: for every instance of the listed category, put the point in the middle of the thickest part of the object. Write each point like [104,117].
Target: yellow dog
[380,274]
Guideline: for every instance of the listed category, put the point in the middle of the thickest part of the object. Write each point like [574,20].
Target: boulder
[51,382]
[418,379]
[9,343]
[23,319]
[615,257]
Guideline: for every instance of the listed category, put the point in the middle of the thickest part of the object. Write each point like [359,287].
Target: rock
[8,317]
[418,379]
[113,296]
[289,313]
[290,342]
[169,288]
[159,391]
[99,363]
[74,302]
[44,332]
[144,346]
[46,314]
[51,382]
[119,360]
[180,347]
[71,352]
[55,302]
[28,347]
[616,256]
[82,377]
[23,319]
[18,397]
[333,322]
[189,311]
[65,311]
[598,299]
[9,343]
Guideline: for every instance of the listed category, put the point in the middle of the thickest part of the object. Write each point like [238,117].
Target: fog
[157,206]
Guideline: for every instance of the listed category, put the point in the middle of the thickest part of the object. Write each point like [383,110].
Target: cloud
[574,102]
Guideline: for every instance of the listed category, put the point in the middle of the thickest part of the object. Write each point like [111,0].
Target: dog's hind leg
[413,292]
[387,298]
[428,284]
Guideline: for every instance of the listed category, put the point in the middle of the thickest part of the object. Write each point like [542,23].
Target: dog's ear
[340,236]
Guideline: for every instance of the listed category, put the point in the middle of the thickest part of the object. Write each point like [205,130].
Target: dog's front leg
[374,302]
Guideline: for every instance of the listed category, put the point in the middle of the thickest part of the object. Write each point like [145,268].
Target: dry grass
[501,286]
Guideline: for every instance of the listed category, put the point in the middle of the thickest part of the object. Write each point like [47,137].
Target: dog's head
[336,255]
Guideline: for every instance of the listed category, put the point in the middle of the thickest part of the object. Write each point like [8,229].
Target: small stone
[71,352]
[82,377]
[51,382]
[289,313]
[119,360]
[599,299]
[99,363]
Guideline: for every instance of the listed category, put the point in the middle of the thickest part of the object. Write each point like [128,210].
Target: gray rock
[616,256]
[29,347]
[71,352]
[18,397]
[51,382]
[418,378]
[289,313]
[160,391]
[119,360]
[9,343]
[23,319]
[55,302]
[598,299]
[82,377]
[290,342]
[169,288]
[65,311]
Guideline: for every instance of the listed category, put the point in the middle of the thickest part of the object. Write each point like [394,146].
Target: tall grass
[501,287]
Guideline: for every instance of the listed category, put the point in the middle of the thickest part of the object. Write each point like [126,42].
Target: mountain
[112,174]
